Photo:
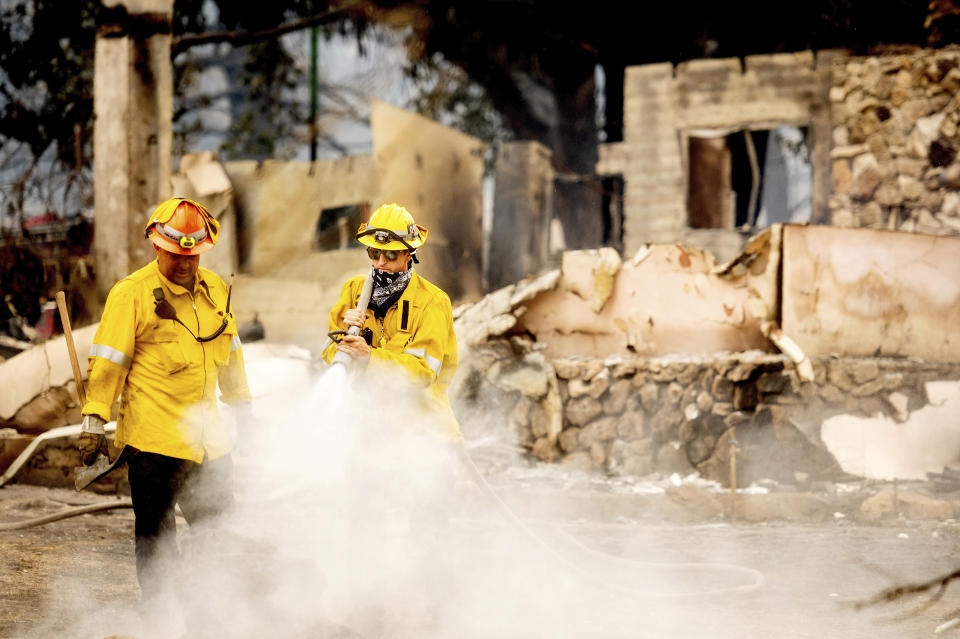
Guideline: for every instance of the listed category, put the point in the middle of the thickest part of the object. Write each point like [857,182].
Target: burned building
[714,150]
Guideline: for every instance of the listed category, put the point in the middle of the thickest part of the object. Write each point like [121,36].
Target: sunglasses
[374,254]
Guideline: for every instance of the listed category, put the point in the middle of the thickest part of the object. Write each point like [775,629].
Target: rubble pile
[896,142]
[37,394]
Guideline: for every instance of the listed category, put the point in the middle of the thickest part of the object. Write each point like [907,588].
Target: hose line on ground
[755,577]
[65,514]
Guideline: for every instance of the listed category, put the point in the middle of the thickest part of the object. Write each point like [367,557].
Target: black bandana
[387,289]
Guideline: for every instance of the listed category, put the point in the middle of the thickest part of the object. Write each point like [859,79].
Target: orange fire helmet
[183,227]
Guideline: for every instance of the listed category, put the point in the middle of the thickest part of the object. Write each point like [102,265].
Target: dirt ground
[813,572]
[35,562]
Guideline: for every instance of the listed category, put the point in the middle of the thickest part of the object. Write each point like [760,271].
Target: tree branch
[237,39]
[898,592]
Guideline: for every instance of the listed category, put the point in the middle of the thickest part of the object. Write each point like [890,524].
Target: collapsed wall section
[666,362]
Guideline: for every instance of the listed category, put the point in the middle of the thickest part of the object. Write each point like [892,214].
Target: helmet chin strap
[393,236]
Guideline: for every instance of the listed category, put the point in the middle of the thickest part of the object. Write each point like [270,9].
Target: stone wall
[682,414]
[896,141]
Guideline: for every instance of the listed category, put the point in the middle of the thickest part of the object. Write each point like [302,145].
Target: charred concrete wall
[895,141]
[279,204]
[437,173]
[432,170]
[519,237]
[870,292]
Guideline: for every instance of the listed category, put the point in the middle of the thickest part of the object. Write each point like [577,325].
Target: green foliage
[46,85]
[534,60]
[446,94]
[266,115]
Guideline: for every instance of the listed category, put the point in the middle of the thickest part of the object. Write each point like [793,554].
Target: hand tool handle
[71,347]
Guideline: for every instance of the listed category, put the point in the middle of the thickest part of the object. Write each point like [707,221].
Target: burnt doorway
[709,205]
[749,179]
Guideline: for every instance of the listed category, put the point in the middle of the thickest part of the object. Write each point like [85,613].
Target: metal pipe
[733,474]
[314,88]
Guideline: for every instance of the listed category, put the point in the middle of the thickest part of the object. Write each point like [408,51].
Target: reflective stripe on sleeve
[432,362]
[234,343]
[111,354]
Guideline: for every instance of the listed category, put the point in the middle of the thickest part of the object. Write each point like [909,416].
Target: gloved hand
[93,438]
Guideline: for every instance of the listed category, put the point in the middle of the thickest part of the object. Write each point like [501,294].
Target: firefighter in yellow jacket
[408,323]
[166,340]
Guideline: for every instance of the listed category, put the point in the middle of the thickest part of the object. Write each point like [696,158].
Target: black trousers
[157,484]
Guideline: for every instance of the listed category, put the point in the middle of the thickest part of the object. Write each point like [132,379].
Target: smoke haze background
[352,521]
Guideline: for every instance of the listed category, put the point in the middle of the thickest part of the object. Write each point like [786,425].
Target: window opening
[612,203]
[749,179]
[336,225]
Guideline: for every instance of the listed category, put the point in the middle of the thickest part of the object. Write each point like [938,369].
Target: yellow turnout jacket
[165,378]
[415,336]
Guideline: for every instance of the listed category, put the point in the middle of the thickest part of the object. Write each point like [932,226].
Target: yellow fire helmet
[391,228]
[183,227]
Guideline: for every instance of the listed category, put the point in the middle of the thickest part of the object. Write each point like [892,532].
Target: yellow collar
[199,285]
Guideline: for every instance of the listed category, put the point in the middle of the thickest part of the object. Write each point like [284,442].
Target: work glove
[93,439]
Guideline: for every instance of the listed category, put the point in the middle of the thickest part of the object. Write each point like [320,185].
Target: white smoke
[354,519]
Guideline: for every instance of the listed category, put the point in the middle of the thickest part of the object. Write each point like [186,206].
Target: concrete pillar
[133,110]
[655,178]
[522,213]
[821,130]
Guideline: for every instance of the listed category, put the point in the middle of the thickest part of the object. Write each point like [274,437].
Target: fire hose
[66,513]
[362,302]
[755,577]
